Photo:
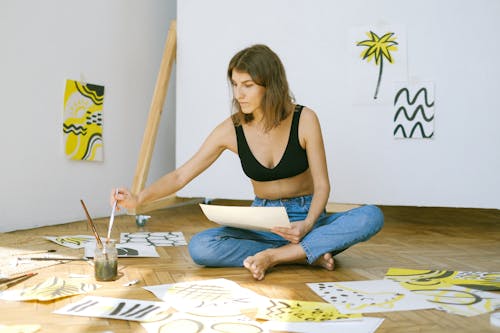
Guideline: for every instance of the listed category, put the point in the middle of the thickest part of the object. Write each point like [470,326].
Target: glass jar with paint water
[106,261]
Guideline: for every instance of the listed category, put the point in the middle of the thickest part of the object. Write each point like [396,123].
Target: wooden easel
[151,131]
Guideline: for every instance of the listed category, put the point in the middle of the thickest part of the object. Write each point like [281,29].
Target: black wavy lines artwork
[418,125]
[75,129]
[405,90]
[419,108]
[414,115]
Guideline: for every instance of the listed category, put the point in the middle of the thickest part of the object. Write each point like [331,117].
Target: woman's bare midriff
[296,186]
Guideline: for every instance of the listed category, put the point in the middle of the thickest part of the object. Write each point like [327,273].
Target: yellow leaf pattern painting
[82,125]
[50,289]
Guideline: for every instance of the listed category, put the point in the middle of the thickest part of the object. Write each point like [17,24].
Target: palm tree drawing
[378,48]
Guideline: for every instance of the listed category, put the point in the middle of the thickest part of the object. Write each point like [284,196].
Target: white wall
[115,43]
[454,44]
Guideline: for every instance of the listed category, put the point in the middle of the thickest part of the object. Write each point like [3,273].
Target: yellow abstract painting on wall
[82,125]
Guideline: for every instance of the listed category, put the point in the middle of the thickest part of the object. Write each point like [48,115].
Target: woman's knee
[199,249]
[374,217]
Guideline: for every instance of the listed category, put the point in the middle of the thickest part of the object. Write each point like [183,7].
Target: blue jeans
[228,246]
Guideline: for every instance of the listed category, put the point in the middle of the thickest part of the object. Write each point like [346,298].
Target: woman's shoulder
[224,127]
[225,130]
[309,125]
[308,115]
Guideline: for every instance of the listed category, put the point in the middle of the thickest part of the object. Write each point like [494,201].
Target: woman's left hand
[295,233]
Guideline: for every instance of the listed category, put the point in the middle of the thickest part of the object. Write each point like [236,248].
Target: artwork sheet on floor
[221,304]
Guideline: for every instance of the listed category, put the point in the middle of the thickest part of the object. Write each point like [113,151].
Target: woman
[281,149]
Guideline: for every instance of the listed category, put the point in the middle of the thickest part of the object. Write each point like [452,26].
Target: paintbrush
[33,252]
[36,252]
[92,226]
[12,278]
[16,280]
[112,218]
[53,258]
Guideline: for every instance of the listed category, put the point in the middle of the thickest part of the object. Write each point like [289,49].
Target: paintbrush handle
[92,226]
[16,280]
[112,217]
[10,279]
[56,259]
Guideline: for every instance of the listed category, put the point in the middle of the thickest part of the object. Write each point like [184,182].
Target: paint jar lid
[495,319]
[141,220]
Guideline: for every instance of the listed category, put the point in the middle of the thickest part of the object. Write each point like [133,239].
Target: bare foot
[326,261]
[258,264]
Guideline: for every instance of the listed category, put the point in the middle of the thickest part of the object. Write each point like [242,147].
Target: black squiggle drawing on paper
[414,115]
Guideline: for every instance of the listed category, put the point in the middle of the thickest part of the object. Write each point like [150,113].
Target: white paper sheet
[50,289]
[126,250]
[73,241]
[362,325]
[461,301]
[206,297]
[168,238]
[117,308]
[369,296]
[252,218]
[180,322]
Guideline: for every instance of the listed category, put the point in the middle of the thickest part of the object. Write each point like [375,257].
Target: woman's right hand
[124,198]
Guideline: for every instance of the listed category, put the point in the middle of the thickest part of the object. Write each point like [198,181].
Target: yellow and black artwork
[82,127]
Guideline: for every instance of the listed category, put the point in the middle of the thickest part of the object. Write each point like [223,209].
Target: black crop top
[293,162]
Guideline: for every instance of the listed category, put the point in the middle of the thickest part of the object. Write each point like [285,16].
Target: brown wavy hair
[266,69]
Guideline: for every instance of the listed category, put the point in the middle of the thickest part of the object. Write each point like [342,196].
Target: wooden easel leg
[156,108]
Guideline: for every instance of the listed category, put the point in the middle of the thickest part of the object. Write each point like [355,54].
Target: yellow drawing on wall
[378,48]
[82,125]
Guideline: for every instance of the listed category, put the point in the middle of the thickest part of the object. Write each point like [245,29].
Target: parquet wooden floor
[412,237]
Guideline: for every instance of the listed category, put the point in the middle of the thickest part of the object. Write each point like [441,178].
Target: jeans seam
[307,251]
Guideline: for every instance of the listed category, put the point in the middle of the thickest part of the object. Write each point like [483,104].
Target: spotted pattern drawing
[290,311]
[369,296]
